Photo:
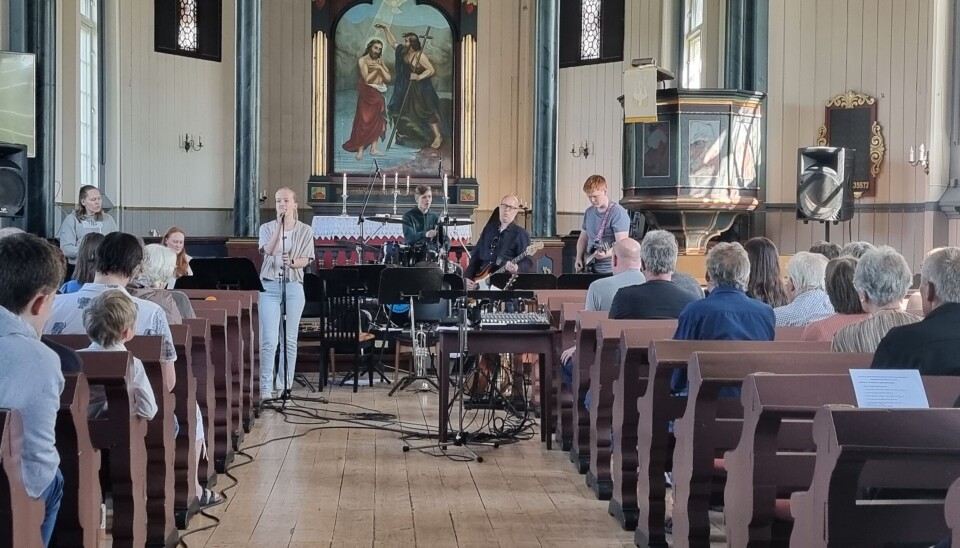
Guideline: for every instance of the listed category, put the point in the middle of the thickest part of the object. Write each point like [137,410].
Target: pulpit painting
[704,148]
[656,149]
[394,89]
[745,139]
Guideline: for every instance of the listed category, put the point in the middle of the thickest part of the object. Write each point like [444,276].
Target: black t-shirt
[652,300]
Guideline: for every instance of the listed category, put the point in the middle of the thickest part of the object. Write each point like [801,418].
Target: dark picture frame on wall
[850,121]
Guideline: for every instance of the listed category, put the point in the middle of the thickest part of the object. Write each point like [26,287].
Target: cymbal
[392,219]
[455,222]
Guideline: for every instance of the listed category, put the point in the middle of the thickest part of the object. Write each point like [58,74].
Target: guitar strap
[603,224]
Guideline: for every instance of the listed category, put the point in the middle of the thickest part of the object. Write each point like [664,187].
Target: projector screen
[18,103]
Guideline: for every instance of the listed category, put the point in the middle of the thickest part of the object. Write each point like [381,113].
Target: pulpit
[696,168]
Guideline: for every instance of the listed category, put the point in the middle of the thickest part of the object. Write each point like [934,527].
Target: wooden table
[545,342]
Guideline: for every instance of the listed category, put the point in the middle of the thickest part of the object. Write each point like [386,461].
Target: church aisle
[343,485]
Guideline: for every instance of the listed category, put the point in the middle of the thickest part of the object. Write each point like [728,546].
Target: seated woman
[881,279]
[86,218]
[766,283]
[174,239]
[158,265]
[86,267]
[843,297]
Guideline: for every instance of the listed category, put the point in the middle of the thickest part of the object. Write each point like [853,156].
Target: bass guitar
[483,278]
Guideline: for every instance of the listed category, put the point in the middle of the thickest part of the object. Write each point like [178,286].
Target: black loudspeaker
[825,184]
[13,179]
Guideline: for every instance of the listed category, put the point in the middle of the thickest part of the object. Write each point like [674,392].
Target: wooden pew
[579,427]
[236,362]
[920,449]
[603,372]
[657,407]
[564,400]
[250,331]
[222,417]
[20,515]
[711,425]
[952,512]
[789,333]
[186,501]
[772,461]
[122,433]
[159,440]
[204,371]
[78,522]
[556,303]
[631,383]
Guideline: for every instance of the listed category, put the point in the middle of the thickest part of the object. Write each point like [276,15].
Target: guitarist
[500,241]
[604,223]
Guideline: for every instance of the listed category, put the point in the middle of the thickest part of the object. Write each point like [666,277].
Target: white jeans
[270,333]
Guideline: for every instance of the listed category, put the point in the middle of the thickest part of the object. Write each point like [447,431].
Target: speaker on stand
[13,181]
[825,185]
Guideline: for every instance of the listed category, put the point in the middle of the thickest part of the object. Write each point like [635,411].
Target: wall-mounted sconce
[188,144]
[577,152]
[923,161]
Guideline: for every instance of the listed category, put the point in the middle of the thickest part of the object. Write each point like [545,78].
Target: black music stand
[404,286]
[578,281]
[526,281]
[237,273]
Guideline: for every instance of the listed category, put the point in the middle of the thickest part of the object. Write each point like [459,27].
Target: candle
[912,157]
[395,177]
[444,186]
[344,185]
[383,183]
[408,183]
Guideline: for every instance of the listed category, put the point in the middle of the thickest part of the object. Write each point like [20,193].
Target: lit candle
[408,183]
[444,186]
[395,177]
[344,184]
[383,183]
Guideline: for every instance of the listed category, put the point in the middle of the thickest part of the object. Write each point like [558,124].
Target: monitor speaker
[825,184]
[13,179]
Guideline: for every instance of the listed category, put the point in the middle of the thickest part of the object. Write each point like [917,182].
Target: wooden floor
[343,486]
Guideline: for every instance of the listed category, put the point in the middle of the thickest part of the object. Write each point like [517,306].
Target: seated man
[805,286]
[727,314]
[659,297]
[30,377]
[930,345]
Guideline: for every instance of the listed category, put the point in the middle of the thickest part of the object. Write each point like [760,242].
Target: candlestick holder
[343,211]
[396,192]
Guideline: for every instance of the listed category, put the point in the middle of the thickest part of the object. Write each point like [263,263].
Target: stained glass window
[187,29]
[590,29]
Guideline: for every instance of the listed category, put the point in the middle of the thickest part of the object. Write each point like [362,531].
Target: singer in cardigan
[287,247]
[500,241]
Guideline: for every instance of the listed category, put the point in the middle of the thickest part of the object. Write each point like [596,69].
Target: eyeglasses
[508,207]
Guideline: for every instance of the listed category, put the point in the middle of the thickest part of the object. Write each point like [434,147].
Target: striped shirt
[825,329]
[299,244]
[865,336]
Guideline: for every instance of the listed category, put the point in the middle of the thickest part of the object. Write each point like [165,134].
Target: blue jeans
[51,497]
[270,332]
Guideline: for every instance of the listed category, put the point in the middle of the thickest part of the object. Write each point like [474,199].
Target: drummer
[420,224]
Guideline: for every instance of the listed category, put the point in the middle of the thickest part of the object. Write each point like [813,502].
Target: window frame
[612,28]
[90,88]
[692,34]
[209,29]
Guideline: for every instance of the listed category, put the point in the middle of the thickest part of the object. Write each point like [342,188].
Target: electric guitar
[592,256]
[483,278]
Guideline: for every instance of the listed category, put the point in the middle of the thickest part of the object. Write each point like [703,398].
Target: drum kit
[395,253]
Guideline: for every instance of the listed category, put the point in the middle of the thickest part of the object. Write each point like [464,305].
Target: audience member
[174,239]
[30,377]
[931,345]
[159,263]
[86,267]
[658,297]
[843,297]
[765,283]
[626,272]
[856,249]
[110,321]
[881,278]
[86,218]
[829,250]
[805,282]
[9,231]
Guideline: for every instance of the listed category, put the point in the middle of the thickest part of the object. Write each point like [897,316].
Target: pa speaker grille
[12,191]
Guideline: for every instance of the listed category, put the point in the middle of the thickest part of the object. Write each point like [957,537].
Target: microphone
[376,165]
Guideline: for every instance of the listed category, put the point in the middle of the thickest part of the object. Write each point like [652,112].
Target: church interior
[479,273]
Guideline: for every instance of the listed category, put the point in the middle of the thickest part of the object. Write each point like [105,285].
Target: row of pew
[149,473]
[792,461]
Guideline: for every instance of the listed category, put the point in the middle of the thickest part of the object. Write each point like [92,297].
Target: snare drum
[390,253]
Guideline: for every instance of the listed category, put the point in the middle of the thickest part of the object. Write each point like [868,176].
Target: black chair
[578,281]
[342,330]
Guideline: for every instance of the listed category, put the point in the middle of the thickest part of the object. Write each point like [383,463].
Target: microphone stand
[361,243]
[285,392]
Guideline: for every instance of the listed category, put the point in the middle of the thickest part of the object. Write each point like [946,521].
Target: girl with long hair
[766,283]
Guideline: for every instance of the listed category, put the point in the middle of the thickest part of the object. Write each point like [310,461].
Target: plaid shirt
[805,309]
